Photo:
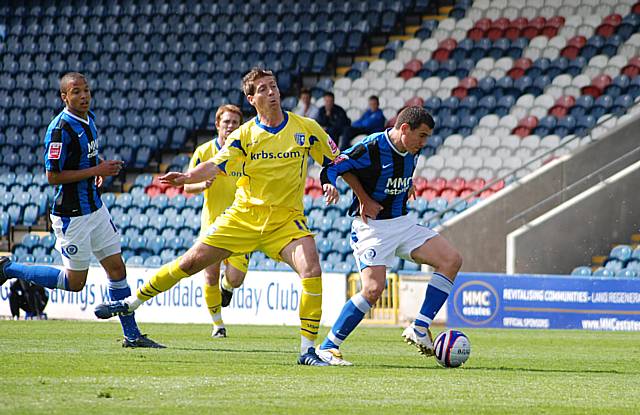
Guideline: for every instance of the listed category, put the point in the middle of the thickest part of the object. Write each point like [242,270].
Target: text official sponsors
[545,301]
[264,298]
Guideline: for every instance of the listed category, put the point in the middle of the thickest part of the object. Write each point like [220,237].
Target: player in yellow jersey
[267,213]
[218,195]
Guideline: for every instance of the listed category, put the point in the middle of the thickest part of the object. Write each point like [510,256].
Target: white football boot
[423,341]
[333,357]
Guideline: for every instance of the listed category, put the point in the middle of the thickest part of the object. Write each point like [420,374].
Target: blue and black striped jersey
[384,172]
[71,143]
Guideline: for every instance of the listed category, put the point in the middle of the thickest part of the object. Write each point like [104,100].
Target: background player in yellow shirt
[267,213]
[218,195]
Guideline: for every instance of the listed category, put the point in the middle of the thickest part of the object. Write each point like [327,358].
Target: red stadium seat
[631,71]
[605,30]
[577,41]
[566,101]
[570,52]
[613,19]
[529,122]
[413,65]
[523,63]
[475,34]
[459,92]
[558,111]
[429,194]
[635,61]
[592,90]
[437,184]
[449,194]
[549,31]
[601,81]
[556,21]
[441,54]
[494,33]
[406,74]
[153,191]
[502,23]
[530,32]
[521,131]
[636,8]
[457,184]
[476,184]
[483,24]
[499,185]
[468,82]
[162,186]
[520,22]
[173,191]
[448,44]
[516,73]
[421,184]
[414,102]
[512,33]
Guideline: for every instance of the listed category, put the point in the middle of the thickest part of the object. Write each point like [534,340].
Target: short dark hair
[305,91]
[415,117]
[329,94]
[376,98]
[248,81]
[68,77]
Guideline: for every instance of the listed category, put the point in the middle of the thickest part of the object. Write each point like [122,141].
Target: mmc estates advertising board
[545,302]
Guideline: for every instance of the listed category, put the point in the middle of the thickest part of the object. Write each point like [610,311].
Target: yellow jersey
[220,194]
[275,160]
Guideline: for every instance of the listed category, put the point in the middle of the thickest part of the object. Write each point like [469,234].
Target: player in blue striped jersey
[81,222]
[384,163]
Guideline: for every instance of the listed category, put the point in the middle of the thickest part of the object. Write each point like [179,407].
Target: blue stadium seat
[153,261]
[621,252]
[135,261]
[603,272]
[627,273]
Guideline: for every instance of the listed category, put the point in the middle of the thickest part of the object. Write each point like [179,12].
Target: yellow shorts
[243,229]
[238,261]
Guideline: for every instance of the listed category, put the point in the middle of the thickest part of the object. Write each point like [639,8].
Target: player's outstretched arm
[105,168]
[203,172]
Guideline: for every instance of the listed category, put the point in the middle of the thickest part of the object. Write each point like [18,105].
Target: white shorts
[80,236]
[378,242]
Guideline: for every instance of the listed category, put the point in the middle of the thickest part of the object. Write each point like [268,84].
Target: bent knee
[372,294]
[452,262]
[76,286]
[311,271]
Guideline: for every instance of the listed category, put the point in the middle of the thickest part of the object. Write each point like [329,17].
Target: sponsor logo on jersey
[397,185]
[265,155]
[92,149]
[55,149]
[340,159]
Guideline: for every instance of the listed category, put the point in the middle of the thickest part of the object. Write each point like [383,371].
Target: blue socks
[437,293]
[119,290]
[42,275]
[350,316]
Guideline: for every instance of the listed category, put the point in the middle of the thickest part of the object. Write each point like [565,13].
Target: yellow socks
[310,311]
[213,298]
[166,277]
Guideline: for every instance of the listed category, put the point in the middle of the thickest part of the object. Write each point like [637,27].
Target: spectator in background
[304,107]
[332,117]
[372,121]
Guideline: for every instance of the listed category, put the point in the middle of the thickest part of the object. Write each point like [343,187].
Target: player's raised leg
[302,255]
[197,258]
[213,299]
[446,261]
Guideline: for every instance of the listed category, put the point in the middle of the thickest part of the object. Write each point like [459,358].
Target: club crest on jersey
[340,159]
[369,254]
[54,151]
[299,138]
[70,250]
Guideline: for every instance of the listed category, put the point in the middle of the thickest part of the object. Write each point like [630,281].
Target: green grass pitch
[71,367]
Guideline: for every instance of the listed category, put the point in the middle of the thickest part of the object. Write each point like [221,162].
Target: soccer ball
[452,348]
